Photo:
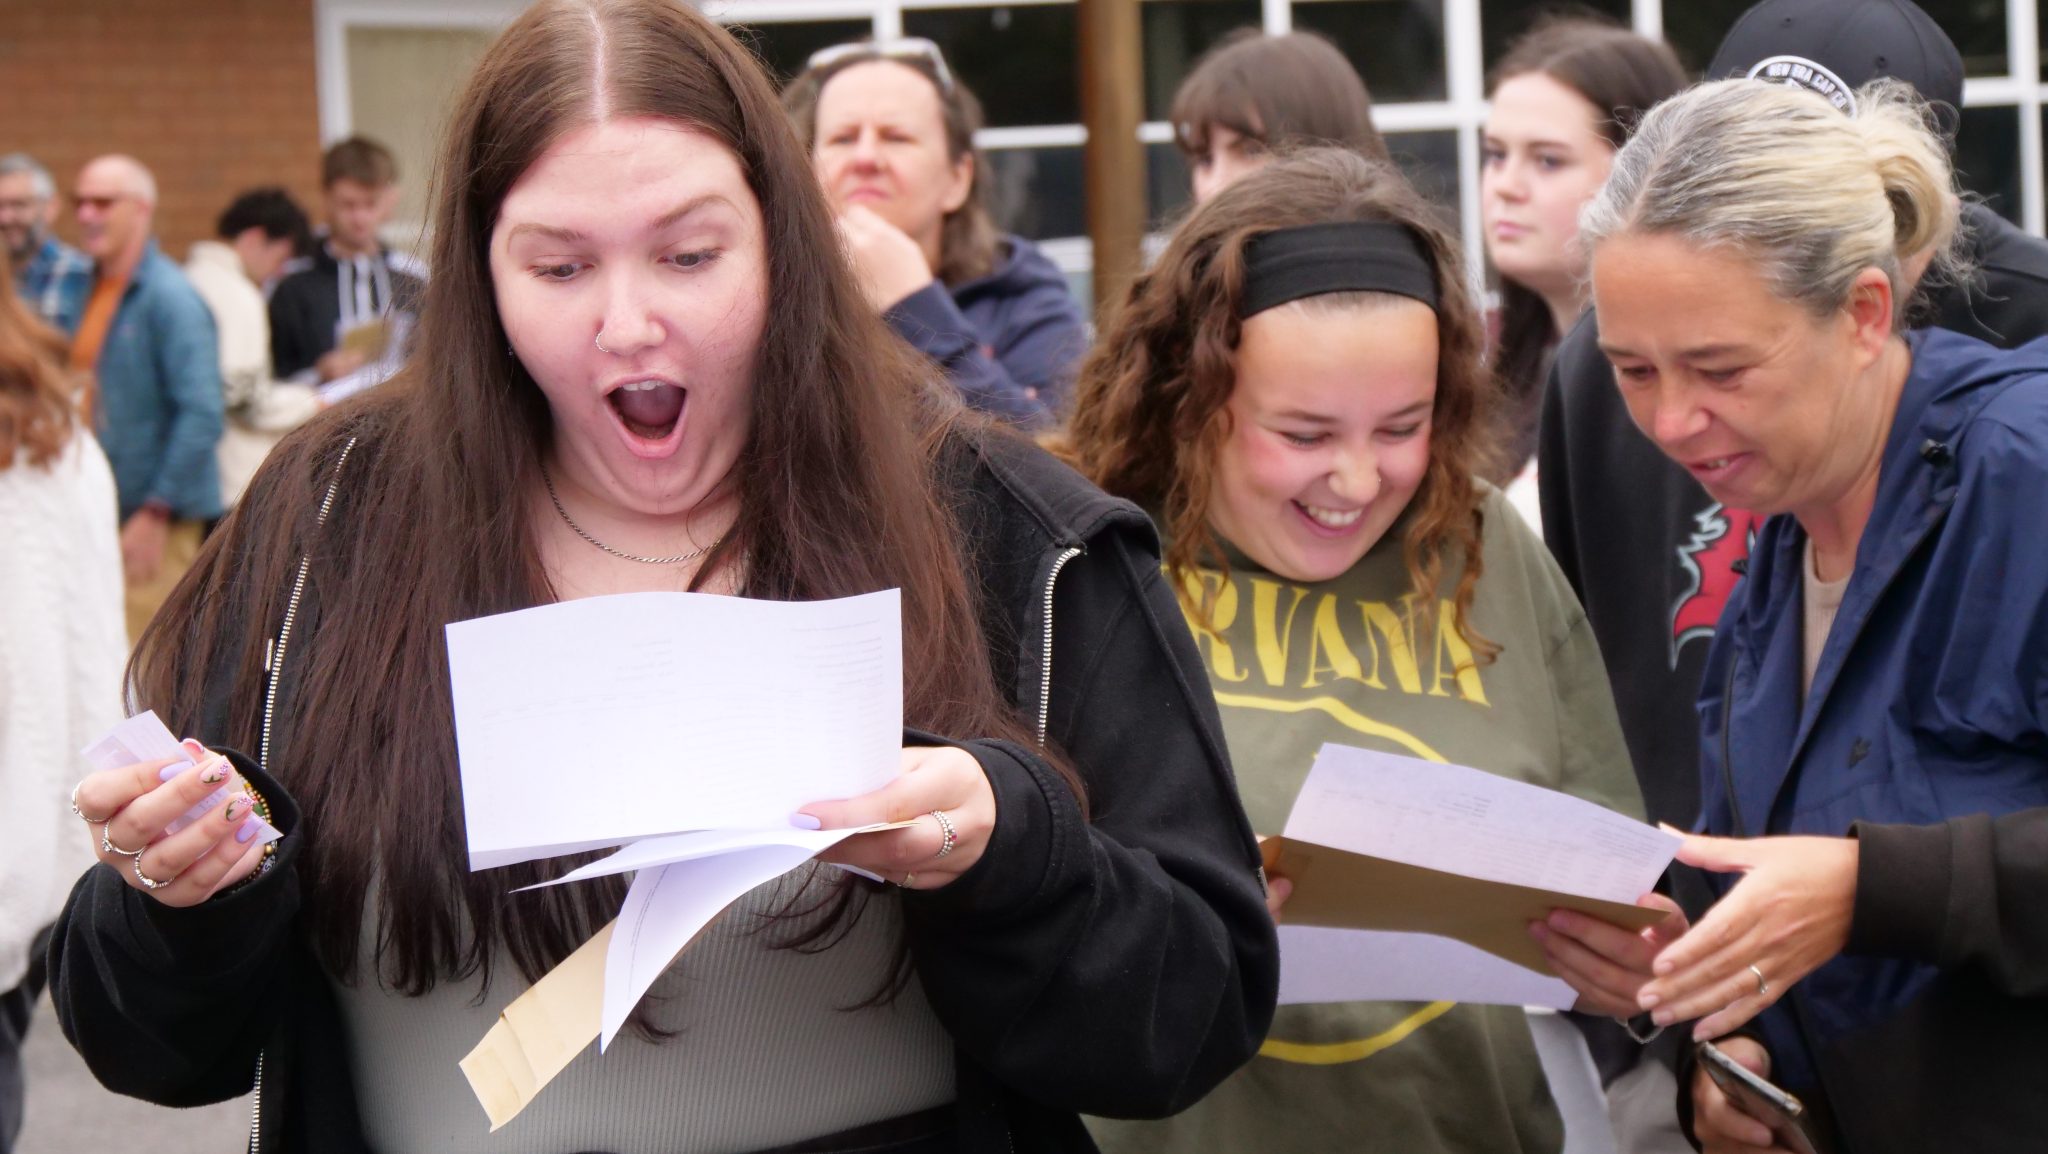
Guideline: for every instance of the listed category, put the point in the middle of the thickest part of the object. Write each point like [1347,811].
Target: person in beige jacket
[260,235]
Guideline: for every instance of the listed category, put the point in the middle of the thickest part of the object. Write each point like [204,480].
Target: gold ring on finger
[148,883]
[907,879]
[107,842]
[1763,988]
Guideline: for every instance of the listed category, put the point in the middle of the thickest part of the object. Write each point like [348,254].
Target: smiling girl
[1295,391]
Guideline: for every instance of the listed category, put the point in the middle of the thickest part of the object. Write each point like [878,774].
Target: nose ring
[599,342]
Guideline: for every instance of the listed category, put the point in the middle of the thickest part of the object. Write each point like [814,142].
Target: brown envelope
[1354,891]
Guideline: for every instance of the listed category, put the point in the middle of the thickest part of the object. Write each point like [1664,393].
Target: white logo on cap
[1799,72]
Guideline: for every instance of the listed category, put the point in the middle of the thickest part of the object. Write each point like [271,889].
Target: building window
[1018,59]
[786,46]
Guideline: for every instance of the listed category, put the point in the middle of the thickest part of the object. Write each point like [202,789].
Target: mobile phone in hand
[1760,1099]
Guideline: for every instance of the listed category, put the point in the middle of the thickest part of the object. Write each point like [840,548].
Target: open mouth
[649,411]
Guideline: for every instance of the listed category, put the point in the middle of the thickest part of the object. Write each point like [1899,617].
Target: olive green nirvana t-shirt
[1294,666]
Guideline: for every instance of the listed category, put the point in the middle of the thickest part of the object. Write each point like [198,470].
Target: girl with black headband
[1295,391]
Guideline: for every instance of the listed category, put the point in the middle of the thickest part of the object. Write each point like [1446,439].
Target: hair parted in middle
[1150,409]
[433,519]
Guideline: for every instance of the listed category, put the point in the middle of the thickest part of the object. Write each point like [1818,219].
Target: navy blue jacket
[1929,706]
[1008,341]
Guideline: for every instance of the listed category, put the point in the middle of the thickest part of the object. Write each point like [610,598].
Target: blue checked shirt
[56,282]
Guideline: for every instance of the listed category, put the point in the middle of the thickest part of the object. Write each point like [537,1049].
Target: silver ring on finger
[148,883]
[77,812]
[1763,988]
[107,843]
[948,836]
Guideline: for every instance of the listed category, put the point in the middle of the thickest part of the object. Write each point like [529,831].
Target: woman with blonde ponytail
[1874,715]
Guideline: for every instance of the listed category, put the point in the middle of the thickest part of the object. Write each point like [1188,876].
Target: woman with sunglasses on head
[1295,391]
[1253,94]
[644,365]
[1563,99]
[891,131]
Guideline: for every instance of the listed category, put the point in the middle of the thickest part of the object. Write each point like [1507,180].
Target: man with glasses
[50,275]
[148,339]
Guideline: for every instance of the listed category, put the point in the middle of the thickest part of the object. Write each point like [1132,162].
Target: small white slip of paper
[681,883]
[144,737]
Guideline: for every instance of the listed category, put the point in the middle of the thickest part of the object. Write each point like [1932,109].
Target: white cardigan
[63,642]
[261,409]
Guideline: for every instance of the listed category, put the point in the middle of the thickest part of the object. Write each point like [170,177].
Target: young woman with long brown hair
[644,365]
[1564,99]
[1295,391]
[62,641]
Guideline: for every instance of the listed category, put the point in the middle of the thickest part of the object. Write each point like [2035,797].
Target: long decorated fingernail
[248,830]
[238,805]
[215,773]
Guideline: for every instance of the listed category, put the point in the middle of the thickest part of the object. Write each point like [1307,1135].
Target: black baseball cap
[1834,47]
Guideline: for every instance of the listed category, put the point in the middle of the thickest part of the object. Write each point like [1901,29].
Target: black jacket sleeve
[1968,893]
[1119,962]
[173,1005]
[293,345]
[1554,456]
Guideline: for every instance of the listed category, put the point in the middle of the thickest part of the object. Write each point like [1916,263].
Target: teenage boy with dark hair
[353,284]
[260,233]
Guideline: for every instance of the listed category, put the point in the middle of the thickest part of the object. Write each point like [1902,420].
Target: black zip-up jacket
[312,306]
[1120,963]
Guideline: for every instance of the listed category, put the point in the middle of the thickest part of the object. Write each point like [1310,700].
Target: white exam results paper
[1464,821]
[596,722]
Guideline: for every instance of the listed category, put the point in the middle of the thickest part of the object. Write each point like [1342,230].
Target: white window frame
[1463,111]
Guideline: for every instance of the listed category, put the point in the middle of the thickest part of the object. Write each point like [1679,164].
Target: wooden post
[1112,106]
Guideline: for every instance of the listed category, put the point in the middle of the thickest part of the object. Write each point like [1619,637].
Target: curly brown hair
[1150,409]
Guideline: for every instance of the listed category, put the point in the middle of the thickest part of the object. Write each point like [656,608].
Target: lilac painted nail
[170,771]
[805,821]
[248,829]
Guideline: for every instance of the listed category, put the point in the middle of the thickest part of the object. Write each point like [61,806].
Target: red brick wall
[215,96]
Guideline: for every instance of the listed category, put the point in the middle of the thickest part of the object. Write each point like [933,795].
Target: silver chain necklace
[678,559]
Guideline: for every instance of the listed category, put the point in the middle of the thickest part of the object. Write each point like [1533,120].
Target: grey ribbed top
[767,1053]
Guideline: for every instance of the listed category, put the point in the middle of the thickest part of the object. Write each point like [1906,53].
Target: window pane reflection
[1987,158]
[1978,28]
[1396,45]
[1431,161]
[786,48]
[1019,60]
[1166,185]
[1176,33]
[1038,192]
[1500,21]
